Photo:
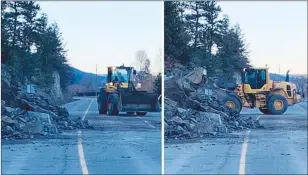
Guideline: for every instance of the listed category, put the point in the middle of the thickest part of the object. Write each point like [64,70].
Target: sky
[108,33]
[276,33]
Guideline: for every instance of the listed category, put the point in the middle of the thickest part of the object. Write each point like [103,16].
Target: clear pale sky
[108,33]
[275,31]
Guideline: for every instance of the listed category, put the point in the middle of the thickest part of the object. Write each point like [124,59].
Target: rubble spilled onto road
[193,108]
[26,115]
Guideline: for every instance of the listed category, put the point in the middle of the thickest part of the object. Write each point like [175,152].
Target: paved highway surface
[278,148]
[118,145]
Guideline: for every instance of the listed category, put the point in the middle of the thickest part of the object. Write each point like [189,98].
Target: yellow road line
[82,159]
[243,154]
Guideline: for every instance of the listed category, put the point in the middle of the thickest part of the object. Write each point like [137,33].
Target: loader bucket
[140,101]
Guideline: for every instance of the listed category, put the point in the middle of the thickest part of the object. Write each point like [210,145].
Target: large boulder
[7,120]
[2,107]
[37,122]
[170,108]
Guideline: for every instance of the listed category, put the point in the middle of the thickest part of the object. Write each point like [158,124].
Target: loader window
[289,91]
[261,79]
[250,78]
[255,78]
[121,74]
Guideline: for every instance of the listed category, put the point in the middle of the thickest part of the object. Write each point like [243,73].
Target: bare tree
[301,84]
[158,61]
[141,57]
[144,64]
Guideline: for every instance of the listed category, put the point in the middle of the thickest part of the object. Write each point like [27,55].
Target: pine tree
[22,29]
[176,37]
[11,32]
[29,12]
[233,54]
[210,29]
[158,84]
[193,20]
[200,23]
[4,32]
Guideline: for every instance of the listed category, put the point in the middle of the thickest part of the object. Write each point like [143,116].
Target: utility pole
[96,80]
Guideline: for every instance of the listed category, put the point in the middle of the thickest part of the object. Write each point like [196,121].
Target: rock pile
[33,116]
[26,115]
[192,109]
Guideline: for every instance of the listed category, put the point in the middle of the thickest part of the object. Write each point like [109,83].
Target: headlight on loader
[298,98]
[138,85]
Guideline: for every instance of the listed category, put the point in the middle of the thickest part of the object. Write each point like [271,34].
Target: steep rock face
[9,86]
[56,88]
[54,91]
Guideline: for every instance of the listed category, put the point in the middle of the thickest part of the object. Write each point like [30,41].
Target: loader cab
[121,74]
[255,78]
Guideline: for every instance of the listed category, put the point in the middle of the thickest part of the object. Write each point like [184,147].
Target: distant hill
[86,82]
[279,77]
[299,80]
[79,76]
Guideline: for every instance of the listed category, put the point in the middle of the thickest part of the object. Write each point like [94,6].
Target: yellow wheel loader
[121,95]
[258,90]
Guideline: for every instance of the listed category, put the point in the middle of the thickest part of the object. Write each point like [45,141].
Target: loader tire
[265,111]
[113,105]
[130,113]
[102,108]
[102,103]
[233,103]
[141,113]
[158,104]
[277,104]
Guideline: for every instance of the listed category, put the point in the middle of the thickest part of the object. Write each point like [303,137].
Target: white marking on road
[82,159]
[243,154]
[135,143]
[147,123]
[84,116]
[258,117]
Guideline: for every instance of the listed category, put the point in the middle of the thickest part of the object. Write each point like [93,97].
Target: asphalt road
[278,148]
[118,145]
